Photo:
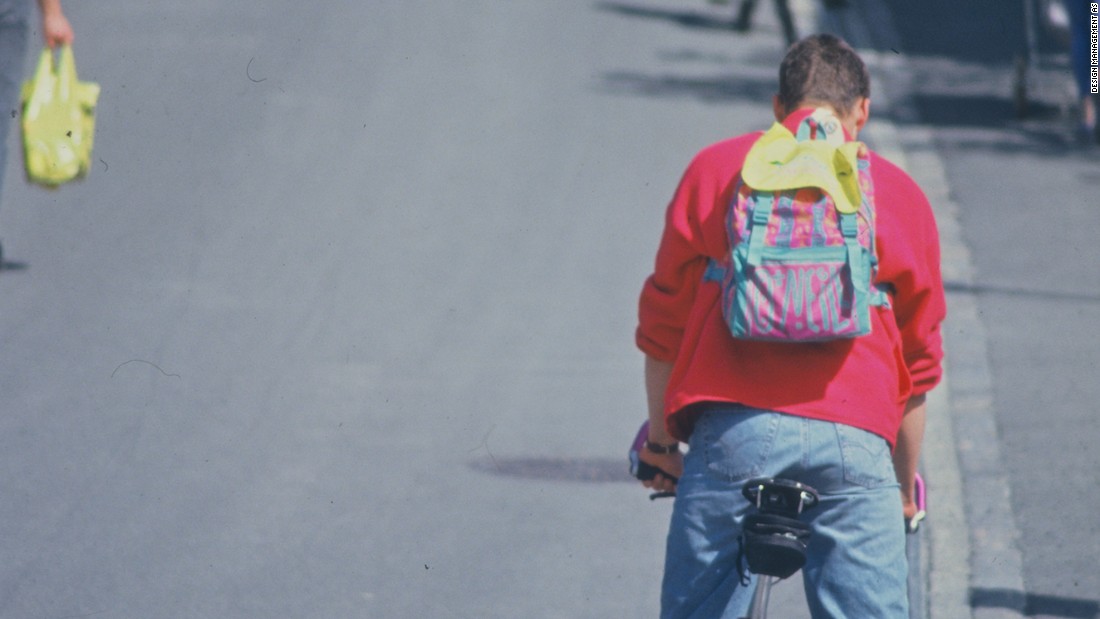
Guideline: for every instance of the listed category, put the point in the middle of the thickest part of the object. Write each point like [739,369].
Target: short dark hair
[823,69]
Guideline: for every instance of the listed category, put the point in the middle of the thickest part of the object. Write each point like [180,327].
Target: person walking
[14,27]
[844,416]
[1088,130]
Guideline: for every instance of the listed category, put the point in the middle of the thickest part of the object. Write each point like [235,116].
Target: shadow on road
[714,89]
[1035,605]
[978,110]
[987,122]
[1048,295]
[950,28]
[963,58]
[680,17]
[591,470]
[14,266]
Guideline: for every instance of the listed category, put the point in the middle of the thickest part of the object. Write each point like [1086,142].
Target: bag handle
[66,72]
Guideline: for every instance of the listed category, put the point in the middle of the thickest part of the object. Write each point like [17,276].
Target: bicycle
[774,540]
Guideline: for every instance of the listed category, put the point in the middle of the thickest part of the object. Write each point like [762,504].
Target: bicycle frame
[758,609]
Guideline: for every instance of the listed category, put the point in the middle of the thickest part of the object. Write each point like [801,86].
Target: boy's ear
[862,112]
[778,109]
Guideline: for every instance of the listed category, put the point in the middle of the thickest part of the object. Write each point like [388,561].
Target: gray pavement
[341,323]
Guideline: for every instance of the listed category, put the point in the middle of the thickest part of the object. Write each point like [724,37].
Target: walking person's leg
[14,17]
[743,23]
[786,21]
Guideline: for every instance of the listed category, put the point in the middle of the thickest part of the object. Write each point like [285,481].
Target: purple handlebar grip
[922,497]
[640,438]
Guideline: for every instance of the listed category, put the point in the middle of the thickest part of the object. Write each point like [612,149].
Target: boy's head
[824,71]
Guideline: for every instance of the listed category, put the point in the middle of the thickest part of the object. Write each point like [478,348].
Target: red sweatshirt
[863,382]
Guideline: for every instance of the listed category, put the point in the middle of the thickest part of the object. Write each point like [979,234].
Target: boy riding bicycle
[845,416]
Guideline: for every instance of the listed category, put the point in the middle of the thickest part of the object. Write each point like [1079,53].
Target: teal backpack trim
[753,305]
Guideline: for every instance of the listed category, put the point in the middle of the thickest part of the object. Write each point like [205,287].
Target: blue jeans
[856,564]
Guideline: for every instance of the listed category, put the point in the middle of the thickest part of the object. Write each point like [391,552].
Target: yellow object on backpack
[58,120]
[778,162]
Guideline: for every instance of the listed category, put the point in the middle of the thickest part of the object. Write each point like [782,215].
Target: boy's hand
[908,507]
[672,464]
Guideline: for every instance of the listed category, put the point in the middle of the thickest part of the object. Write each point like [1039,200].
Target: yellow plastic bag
[58,120]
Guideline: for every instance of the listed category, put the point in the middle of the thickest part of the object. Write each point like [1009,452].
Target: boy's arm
[56,28]
[907,452]
[657,374]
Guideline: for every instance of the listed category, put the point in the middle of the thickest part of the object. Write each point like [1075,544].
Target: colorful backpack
[801,227]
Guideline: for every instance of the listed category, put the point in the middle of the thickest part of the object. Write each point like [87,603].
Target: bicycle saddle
[773,540]
[779,496]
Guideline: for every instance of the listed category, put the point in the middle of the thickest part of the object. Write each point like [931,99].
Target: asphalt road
[341,323]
